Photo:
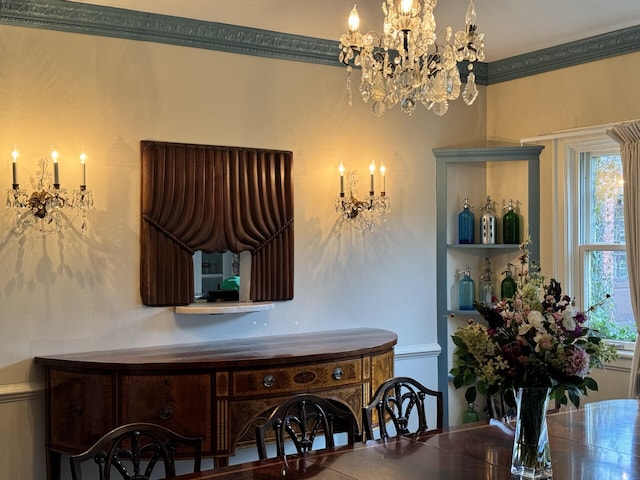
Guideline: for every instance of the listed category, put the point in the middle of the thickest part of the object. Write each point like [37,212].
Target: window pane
[606,273]
[607,217]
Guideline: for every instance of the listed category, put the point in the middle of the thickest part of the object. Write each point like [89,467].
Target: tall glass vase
[531,458]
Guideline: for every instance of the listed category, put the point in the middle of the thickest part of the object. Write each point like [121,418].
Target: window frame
[577,152]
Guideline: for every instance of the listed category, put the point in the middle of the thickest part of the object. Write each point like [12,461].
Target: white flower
[568,318]
[535,319]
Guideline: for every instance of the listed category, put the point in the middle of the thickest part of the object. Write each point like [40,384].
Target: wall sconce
[44,208]
[368,212]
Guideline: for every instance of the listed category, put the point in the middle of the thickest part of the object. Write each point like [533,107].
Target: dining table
[599,441]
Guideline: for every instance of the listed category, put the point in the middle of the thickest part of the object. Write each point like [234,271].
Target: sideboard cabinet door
[81,406]
[179,402]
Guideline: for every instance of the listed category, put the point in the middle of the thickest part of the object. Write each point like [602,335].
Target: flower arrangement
[538,338]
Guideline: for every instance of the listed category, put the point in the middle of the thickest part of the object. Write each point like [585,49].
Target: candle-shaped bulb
[383,171]
[341,170]
[56,176]
[406,6]
[14,155]
[372,169]
[83,158]
[354,20]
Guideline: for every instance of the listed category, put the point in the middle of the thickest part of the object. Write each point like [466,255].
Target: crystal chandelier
[44,209]
[406,63]
[364,213]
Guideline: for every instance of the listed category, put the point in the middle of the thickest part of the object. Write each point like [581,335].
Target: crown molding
[569,54]
[69,16]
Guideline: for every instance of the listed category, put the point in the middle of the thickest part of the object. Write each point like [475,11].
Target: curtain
[212,198]
[628,136]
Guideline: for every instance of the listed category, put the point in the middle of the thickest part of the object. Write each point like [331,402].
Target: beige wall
[597,93]
[67,293]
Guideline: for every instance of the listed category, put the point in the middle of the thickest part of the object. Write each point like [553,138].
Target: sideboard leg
[53,465]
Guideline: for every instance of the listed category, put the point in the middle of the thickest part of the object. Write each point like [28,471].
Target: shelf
[492,246]
[219,308]
[459,313]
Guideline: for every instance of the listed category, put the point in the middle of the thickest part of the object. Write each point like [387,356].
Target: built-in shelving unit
[504,173]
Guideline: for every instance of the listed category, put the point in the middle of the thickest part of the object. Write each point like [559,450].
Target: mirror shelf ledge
[219,308]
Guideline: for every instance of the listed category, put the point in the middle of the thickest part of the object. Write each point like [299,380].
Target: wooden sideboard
[215,390]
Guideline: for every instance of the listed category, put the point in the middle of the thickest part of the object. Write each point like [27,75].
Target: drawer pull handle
[269,381]
[165,413]
[337,373]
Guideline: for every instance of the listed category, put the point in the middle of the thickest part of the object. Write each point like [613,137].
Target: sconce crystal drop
[45,208]
[364,214]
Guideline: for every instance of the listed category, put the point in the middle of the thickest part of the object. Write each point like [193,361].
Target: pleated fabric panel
[214,198]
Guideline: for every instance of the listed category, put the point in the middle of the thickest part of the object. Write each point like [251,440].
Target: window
[597,250]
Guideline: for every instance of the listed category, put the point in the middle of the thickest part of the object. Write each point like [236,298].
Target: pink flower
[577,361]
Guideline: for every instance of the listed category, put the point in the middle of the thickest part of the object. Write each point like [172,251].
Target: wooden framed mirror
[214,198]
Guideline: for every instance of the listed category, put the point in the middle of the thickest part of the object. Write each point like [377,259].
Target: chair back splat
[300,419]
[133,451]
[401,403]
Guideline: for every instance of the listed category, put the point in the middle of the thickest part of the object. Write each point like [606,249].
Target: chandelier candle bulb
[341,170]
[83,158]
[354,20]
[383,171]
[56,175]
[372,169]
[14,155]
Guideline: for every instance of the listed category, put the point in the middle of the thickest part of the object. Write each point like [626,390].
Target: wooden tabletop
[599,441]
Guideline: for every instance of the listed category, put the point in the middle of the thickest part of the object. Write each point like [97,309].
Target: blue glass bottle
[466,290]
[466,221]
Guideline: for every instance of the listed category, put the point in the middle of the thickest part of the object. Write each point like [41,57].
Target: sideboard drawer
[296,379]
[179,402]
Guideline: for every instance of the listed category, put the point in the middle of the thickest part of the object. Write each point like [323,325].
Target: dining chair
[300,419]
[399,407]
[133,451]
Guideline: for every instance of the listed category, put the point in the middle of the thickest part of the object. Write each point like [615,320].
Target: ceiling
[511,27]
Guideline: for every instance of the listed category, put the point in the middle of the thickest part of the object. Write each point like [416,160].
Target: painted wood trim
[410,352]
[566,55]
[14,392]
[89,19]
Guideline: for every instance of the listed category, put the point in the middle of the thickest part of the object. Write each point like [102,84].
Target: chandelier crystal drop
[411,62]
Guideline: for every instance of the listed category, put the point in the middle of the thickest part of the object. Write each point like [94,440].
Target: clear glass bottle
[486,285]
[510,225]
[466,290]
[508,286]
[466,220]
[488,223]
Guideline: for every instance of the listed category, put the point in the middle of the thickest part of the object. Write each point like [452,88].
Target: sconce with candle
[369,211]
[45,208]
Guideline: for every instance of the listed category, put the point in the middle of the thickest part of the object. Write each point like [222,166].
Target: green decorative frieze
[69,16]
[566,55]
